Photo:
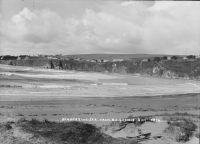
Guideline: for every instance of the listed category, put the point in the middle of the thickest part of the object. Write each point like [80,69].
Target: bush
[174,57]
[8,126]
[156,59]
[191,57]
[164,57]
[34,122]
[181,129]
[46,121]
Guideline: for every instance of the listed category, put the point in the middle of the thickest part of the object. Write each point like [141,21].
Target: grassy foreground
[39,132]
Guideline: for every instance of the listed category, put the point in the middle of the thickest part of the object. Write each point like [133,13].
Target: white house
[198,56]
[185,58]
[145,60]
[117,60]
[169,58]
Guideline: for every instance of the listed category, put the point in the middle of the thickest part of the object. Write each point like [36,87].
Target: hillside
[112,56]
[161,66]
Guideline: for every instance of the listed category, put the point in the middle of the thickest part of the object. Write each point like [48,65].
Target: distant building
[185,58]
[145,60]
[50,57]
[117,60]
[99,61]
[197,56]
[105,60]
[93,60]
[78,59]
[169,58]
[114,65]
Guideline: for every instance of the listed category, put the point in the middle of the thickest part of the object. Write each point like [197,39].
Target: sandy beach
[97,99]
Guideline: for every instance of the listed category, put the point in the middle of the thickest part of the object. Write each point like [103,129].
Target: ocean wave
[124,84]
[54,86]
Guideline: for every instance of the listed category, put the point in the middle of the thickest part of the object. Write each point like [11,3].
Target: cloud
[36,27]
[119,27]
[173,28]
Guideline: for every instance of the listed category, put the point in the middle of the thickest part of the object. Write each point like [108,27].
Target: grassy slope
[55,133]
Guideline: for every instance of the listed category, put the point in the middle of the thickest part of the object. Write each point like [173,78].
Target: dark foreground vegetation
[187,67]
[181,129]
[64,132]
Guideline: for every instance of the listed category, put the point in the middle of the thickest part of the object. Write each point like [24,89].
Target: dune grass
[69,132]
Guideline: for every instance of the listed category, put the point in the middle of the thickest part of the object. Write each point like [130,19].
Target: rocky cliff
[187,69]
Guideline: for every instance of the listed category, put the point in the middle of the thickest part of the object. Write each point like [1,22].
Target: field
[49,98]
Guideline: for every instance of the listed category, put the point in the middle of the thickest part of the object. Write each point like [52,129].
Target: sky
[99,26]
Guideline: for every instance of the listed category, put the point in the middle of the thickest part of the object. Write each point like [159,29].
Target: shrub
[174,57]
[164,57]
[46,121]
[181,129]
[157,59]
[8,126]
[19,115]
[34,122]
[191,57]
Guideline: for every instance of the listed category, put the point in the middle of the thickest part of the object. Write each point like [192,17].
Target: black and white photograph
[99,72]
